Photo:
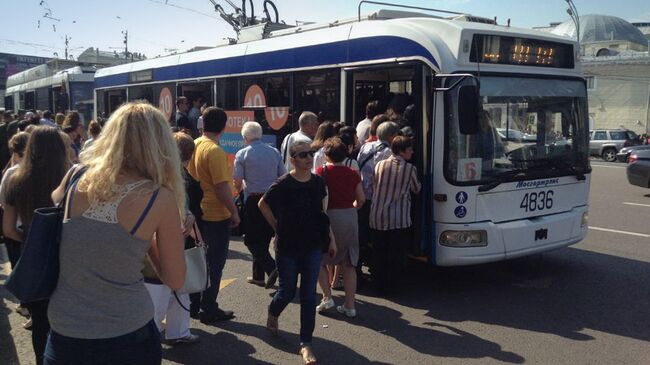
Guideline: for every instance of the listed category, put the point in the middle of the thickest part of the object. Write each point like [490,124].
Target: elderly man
[370,155]
[257,166]
[308,123]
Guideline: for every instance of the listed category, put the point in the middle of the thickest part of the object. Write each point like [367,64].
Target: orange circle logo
[277,116]
[254,97]
[166,103]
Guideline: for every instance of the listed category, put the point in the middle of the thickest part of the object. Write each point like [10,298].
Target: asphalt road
[586,304]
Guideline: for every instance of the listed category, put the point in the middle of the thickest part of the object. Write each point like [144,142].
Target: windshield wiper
[498,179]
[560,163]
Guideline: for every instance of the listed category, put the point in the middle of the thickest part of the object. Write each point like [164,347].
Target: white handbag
[197,278]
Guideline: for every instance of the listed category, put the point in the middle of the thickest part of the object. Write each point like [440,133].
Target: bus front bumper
[513,239]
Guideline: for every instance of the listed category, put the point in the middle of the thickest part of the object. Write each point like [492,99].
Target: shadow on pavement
[8,354]
[327,352]
[562,292]
[222,348]
[437,339]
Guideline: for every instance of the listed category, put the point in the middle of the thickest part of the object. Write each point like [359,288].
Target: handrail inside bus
[460,78]
[404,6]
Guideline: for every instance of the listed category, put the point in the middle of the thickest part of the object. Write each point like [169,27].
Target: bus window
[319,92]
[197,90]
[43,99]
[141,93]
[114,99]
[227,94]
[269,98]
[9,102]
[100,104]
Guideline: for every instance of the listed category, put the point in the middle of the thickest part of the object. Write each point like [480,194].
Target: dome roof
[597,28]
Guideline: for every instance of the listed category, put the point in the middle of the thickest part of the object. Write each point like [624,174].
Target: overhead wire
[167,3]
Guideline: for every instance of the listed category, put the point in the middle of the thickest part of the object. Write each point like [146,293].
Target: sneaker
[22,311]
[350,313]
[250,280]
[189,339]
[325,304]
[28,325]
[220,315]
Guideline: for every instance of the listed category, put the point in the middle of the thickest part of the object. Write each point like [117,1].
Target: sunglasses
[303,154]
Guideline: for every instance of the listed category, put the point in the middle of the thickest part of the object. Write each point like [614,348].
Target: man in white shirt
[308,123]
[47,119]
[363,127]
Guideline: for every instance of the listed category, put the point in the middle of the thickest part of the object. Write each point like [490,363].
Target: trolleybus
[474,91]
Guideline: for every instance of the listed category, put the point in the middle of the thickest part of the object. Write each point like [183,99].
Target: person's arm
[415,183]
[9,222]
[220,180]
[224,194]
[168,246]
[267,213]
[359,196]
[59,192]
[239,183]
[238,173]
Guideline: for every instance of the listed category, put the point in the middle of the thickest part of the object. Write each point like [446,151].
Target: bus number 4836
[537,201]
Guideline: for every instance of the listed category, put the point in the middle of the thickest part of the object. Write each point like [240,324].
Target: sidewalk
[15,342]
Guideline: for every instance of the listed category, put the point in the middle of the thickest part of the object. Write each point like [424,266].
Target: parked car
[607,142]
[624,153]
[638,169]
[515,135]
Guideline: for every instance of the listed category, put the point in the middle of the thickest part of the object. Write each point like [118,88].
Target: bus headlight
[585,219]
[463,238]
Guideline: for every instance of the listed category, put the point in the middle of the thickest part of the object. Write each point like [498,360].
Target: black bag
[37,271]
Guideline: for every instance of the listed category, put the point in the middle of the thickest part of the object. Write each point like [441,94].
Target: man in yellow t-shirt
[209,165]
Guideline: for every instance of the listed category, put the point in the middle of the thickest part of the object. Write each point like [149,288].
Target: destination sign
[521,51]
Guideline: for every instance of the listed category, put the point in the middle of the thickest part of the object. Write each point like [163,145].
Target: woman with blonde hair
[127,203]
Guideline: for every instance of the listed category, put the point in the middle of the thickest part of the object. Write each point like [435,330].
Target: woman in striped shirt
[390,212]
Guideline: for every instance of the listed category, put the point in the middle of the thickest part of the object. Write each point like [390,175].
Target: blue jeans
[140,347]
[289,267]
[217,237]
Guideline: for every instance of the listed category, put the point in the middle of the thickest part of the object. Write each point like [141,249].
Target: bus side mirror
[468,101]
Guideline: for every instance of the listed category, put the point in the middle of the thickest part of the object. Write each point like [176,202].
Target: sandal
[272,324]
[308,357]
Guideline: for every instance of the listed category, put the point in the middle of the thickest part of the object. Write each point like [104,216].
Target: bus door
[399,88]
[30,100]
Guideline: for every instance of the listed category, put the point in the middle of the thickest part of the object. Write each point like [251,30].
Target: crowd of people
[332,199]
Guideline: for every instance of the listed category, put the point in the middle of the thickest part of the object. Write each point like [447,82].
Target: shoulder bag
[37,271]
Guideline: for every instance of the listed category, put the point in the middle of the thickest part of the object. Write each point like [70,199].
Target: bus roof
[435,41]
[73,74]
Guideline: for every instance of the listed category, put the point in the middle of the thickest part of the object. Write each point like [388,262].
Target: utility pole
[126,44]
[67,41]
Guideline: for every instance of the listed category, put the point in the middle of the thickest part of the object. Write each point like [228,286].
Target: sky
[160,27]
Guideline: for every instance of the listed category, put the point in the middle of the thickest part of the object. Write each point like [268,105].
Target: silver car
[607,142]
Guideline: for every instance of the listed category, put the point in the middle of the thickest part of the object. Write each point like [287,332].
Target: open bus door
[400,87]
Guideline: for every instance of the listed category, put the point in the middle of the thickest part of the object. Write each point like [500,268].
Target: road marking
[226,282]
[637,204]
[609,167]
[621,232]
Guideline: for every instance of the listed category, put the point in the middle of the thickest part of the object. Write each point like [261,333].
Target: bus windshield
[528,128]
